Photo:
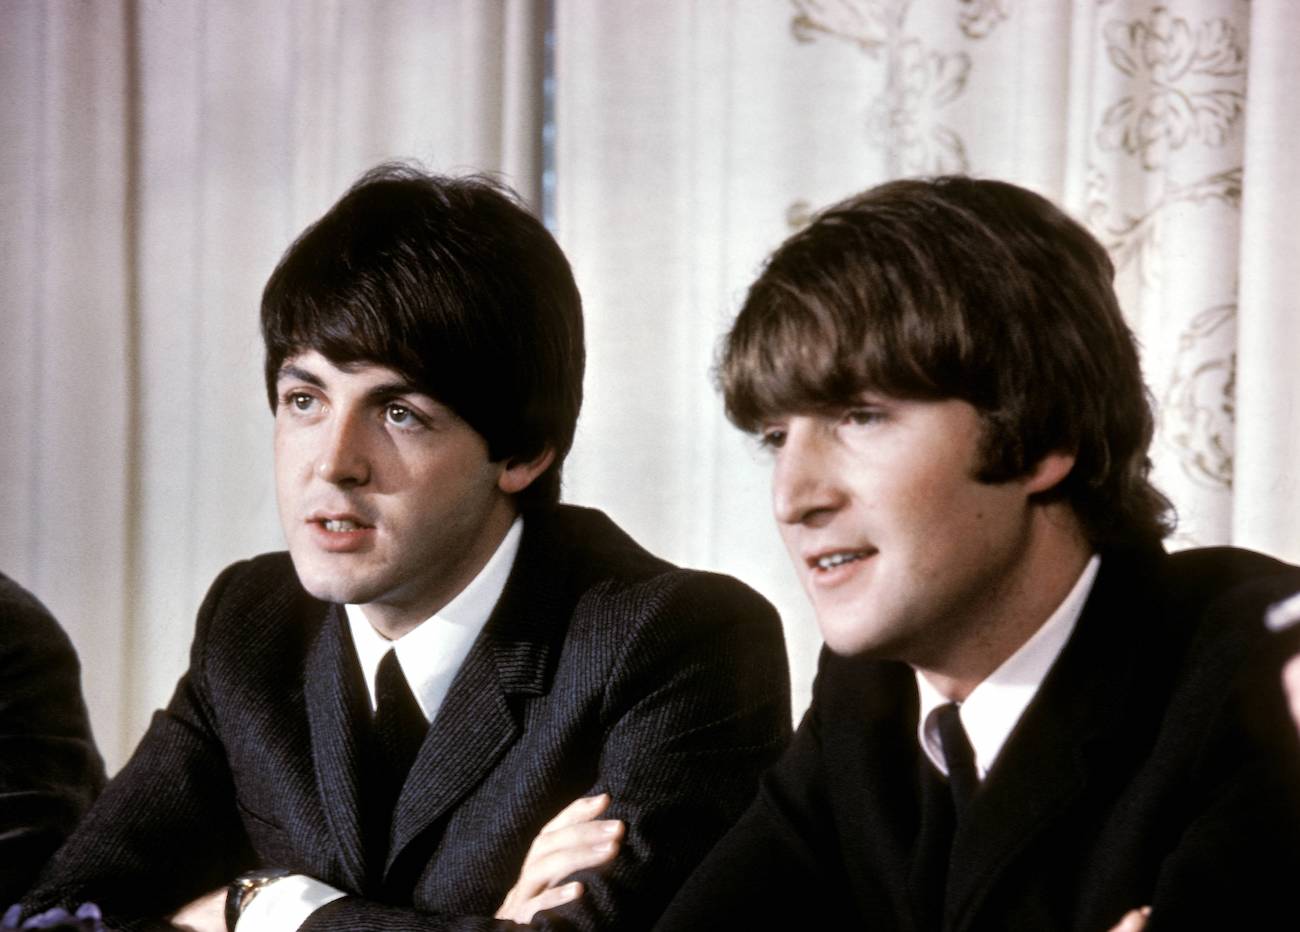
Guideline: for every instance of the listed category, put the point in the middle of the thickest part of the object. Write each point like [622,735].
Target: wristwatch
[246,886]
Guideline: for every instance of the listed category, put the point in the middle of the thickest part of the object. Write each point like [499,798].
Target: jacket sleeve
[166,829]
[696,707]
[771,870]
[1237,856]
[50,771]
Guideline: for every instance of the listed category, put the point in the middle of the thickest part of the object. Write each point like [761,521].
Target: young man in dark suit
[375,725]
[1028,715]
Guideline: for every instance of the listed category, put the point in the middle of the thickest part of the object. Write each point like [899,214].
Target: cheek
[789,537]
[285,472]
[291,454]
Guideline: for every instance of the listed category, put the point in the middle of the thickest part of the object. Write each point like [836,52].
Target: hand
[1291,683]
[572,841]
[206,914]
[1135,920]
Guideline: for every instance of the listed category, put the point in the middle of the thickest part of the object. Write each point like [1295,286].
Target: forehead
[315,368]
[313,363]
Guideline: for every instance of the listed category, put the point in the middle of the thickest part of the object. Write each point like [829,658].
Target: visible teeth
[339,526]
[833,560]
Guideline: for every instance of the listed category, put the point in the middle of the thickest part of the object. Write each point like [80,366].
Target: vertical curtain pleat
[694,136]
[159,159]
[65,411]
[1266,491]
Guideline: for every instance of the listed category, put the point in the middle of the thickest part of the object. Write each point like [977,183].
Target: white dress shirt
[430,655]
[993,707]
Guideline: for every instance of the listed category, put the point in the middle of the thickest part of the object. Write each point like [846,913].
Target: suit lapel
[336,704]
[511,657]
[870,711]
[1061,741]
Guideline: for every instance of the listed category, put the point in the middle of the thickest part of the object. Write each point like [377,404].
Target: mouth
[829,560]
[341,525]
[341,533]
[340,522]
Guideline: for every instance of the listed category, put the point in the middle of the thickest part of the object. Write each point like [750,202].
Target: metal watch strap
[244,887]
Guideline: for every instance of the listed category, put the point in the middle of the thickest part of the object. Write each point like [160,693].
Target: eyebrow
[390,389]
[290,371]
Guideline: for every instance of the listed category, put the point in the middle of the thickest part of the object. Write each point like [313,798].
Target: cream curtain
[694,135]
[155,160]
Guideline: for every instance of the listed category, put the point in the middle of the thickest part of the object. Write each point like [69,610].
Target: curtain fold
[65,377]
[1266,490]
[694,136]
[157,158]
[156,163]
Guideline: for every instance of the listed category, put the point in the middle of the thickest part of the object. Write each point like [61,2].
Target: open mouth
[342,525]
[829,561]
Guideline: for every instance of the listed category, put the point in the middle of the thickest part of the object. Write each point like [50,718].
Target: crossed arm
[688,715]
[576,839]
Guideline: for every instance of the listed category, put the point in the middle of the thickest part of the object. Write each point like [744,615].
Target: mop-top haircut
[967,289]
[452,283]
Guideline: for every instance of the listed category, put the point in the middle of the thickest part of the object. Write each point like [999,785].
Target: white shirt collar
[996,704]
[431,653]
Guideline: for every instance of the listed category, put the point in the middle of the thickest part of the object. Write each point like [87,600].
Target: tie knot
[957,754]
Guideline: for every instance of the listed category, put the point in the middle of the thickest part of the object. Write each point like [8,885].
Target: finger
[523,913]
[575,836]
[1134,920]
[580,810]
[553,869]
[1291,681]
[572,849]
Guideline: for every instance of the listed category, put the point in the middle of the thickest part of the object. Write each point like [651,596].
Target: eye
[400,415]
[298,401]
[862,417]
[772,438]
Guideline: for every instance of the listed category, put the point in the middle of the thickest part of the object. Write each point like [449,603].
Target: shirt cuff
[285,905]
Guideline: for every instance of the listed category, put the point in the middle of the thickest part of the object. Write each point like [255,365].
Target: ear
[518,473]
[1049,471]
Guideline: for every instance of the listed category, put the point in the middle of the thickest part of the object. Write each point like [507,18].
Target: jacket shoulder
[27,628]
[258,598]
[605,559]
[608,566]
[1228,580]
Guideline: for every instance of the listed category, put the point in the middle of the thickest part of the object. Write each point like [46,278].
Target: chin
[320,583]
[855,631]
[842,637]
[325,591]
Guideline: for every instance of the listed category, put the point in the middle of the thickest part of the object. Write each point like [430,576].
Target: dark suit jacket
[602,668]
[50,771]
[1154,767]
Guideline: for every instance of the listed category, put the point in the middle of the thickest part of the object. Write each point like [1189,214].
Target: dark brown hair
[452,283]
[960,288]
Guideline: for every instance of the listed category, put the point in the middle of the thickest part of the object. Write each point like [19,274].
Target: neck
[1032,590]
[402,611]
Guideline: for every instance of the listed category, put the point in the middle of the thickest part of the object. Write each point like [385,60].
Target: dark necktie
[941,806]
[399,723]
[958,755]
[398,731]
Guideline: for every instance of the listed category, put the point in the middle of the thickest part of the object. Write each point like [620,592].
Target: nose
[343,458]
[803,490]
